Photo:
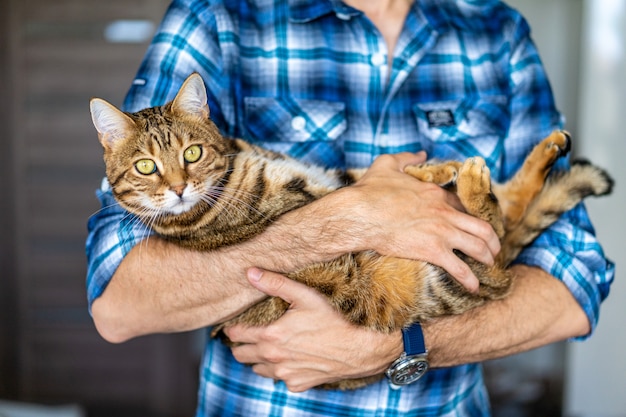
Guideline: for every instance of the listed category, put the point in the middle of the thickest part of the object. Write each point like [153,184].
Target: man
[339,84]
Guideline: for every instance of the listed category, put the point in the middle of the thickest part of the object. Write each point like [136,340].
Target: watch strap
[413,338]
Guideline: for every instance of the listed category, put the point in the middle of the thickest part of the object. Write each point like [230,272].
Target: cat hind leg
[561,192]
[517,193]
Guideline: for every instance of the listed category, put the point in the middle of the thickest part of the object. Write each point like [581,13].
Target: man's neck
[377,7]
[387,15]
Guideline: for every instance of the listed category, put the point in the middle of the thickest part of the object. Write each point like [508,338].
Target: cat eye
[193,153]
[146,166]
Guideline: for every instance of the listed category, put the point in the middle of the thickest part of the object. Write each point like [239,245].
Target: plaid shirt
[310,78]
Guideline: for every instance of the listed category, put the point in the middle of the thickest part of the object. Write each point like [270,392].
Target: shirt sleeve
[185,42]
[112,233]
[568,250]
[188,40]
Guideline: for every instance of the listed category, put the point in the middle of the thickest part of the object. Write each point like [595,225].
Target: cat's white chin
[175,205]
[180,207]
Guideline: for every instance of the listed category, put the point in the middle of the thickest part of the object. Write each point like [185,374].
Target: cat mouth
[191,202]
[181,207]
[203,203]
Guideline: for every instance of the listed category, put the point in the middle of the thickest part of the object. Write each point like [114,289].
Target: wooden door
[55,57]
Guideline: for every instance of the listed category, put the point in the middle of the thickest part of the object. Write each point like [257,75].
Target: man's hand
[311,344]
[413,219]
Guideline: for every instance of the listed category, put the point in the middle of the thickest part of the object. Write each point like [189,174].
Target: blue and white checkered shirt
[310,78]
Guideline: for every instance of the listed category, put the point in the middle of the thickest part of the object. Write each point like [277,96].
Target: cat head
[167,160]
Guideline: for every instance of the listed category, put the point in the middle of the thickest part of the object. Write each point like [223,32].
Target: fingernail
[255,274]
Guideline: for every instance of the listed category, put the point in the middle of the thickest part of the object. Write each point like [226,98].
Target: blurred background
[57,54]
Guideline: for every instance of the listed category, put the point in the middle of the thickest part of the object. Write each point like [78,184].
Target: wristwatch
[413,363]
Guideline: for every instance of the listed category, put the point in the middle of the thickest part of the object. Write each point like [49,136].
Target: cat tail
[561,192]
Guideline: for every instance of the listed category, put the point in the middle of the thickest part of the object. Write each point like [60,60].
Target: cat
[170,166]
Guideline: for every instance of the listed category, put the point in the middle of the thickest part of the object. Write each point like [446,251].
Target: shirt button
[343,16]
[298,123]
[377,59]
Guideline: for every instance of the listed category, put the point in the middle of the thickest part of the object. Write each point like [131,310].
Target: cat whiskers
[134,228]
[233,202]
[108,206]
[126,230]
[216,192]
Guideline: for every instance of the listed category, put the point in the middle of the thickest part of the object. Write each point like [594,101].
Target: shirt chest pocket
[271,119]
[484,118]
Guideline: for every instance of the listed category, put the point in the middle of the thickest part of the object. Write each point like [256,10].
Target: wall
[596,369]
[583,46]
[55,56]
[556,29]
[8,306]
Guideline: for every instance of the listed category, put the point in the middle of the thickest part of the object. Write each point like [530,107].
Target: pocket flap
[271,119]
[470,118]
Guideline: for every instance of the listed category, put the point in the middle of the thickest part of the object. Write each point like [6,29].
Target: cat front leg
[443,174]
[474,191]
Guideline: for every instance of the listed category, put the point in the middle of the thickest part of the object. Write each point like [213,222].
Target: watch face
[408,370]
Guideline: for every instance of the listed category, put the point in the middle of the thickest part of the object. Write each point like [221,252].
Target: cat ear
[112,124]
[191,98]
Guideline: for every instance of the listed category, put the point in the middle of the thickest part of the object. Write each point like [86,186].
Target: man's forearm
[540,310]
[160,287]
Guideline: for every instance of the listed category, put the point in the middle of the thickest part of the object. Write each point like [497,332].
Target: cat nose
[179,189]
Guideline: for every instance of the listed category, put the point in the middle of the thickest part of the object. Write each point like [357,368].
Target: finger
[460,271]
[419,158]
[240,333]
[401,160]
[473,226]
[297,380]
[454,201]
[247,354]
[483,243]
[277,285]
[264,370]
[476,227]
[476,249]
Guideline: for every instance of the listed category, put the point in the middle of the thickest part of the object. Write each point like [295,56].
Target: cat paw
[474,177]
[558,144]
[443,174]
[474,191]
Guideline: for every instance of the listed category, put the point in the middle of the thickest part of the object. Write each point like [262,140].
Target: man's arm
[161,288]
[540,310]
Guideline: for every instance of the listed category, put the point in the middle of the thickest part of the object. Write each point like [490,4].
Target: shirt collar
[301,11]
[430,12]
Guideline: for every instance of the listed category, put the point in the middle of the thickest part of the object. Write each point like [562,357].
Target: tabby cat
[171,167]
